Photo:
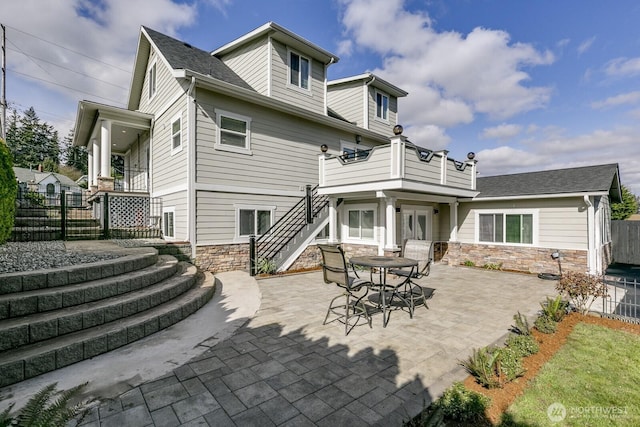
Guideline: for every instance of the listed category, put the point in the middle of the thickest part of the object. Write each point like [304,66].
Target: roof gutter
[535,196]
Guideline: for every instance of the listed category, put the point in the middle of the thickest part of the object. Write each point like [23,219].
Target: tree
[74,157]
[31,142]
[8,192]
[627,207]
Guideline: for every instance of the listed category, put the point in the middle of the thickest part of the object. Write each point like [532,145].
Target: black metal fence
[82,216]
[623,301]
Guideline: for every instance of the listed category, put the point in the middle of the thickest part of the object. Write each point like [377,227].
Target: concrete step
[35,359]
[132,259]
[43,300]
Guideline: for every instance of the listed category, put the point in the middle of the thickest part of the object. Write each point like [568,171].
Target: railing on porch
[131,180]
[263,249]
[81,216]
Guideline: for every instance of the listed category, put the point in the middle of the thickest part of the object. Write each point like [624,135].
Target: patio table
[386,292]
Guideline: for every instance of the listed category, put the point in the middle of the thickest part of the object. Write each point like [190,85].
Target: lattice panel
[128,211]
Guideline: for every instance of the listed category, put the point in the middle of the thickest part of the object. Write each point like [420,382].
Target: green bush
[469,263]
[266,266]
[492,266]
[36,200]
[522,325]
[460,404]
[510,364]
[522,345]
[554,309]
[546,325]
[581,289]
[483,364]
[8,193]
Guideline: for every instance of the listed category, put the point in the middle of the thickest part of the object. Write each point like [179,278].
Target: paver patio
[284,368]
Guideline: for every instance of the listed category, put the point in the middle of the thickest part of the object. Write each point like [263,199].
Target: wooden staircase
[53,318]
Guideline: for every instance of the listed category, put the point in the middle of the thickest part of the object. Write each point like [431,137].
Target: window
[506,228]
[176,134]
[351,151]
[152,80]
[168,229]
[382,106]
[234,133]
[361,223]
[51,189]
[299,70]
[254,221]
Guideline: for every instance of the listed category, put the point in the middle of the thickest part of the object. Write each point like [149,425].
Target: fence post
[252,255]
[63,215]
[309,204]
[105,216]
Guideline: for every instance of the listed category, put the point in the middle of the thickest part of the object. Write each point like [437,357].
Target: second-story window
[234,132]
[152,80]
[382,106]
[176,134]
[299,70]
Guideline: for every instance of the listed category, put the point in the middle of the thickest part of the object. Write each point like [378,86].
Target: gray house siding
[378,125]
[177,201]
[250,62]
[170,168]
[347,100]
[166,86]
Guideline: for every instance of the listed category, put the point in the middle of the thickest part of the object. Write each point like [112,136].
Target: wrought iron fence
[82,216]
[623,301]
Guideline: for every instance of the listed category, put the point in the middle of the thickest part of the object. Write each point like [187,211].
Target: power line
[48,113]
[70,50]
[64,68]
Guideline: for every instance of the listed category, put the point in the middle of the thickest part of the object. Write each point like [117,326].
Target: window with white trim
[299,70]
[253,220]
[517,228]
[382,106]
[361,224]
[176,134]
[351,151]
[233,132]
[152,77]
[168,223]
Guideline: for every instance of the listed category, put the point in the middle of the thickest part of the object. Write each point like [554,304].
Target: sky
[525,85]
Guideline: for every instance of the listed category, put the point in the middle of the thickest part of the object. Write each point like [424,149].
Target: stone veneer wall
[516,258]
[219,258]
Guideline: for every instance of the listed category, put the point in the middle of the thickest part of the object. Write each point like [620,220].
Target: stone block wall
[308,259]
[219,258]
[515,258]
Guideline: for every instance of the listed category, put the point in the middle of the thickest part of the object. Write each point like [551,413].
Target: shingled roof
[587,179]
[181,55]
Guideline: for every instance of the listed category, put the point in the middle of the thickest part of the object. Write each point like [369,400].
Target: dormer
[365,100]
[280,64]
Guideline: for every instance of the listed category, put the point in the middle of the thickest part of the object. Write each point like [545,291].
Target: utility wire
[70,50]
[25,108]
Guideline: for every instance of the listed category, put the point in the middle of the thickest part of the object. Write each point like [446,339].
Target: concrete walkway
[282,367]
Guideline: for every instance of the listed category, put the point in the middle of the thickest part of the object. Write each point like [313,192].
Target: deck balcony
[398,166]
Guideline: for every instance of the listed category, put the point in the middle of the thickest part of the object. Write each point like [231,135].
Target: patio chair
[334,270]
[420,250]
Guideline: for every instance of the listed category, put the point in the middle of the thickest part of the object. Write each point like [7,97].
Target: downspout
[591,246]
[191,168]
[366,102]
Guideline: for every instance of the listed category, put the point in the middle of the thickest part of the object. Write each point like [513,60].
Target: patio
[283,367]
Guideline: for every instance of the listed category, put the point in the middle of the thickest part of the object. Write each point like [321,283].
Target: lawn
[592,380]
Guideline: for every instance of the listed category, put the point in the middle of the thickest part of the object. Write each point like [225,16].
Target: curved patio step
[29,361]
[43,300]
[132,259]
[21,331]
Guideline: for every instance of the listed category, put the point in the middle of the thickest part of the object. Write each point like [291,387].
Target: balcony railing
[131,180]
[393,166]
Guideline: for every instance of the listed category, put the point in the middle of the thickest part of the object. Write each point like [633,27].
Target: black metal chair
[335,270]
[422,251]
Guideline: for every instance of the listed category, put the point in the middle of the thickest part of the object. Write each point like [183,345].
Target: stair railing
[263,249]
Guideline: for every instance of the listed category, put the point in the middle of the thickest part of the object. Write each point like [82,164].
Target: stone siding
[309,258]
[515,258]
[219,258]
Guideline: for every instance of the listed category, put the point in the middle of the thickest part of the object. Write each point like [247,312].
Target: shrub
[8,193]
[492,266]
[510,365]
[483,364]
[523,345]
[34,200]
[469,263]
[522,325]
[41,411]
[554,309]
[461,404]
[546,325]
[266,266]
[581,289]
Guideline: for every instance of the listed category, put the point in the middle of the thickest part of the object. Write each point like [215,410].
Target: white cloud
[345,47]
[563,43]
[623,67]
[480,72]
[586,45]
[624,98]
[428,136]
[503,131]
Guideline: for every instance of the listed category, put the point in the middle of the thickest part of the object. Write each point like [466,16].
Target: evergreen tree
[74,157]
[31,142]
[627,207]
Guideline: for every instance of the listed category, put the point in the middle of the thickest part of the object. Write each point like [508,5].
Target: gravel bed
[31,256]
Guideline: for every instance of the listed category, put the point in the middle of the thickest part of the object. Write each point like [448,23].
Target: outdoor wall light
[471,155]
[398,129]
[324,148]
[555,255]
[358,139]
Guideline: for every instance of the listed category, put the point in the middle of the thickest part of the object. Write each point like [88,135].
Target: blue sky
[526,85]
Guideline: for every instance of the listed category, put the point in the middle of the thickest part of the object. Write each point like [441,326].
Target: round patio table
[387,293]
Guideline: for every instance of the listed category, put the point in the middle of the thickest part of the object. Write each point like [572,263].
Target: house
[234,141]
[48,184]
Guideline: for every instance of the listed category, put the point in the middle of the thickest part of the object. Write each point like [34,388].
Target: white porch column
[90,164]
[105,149]
[333,220]
[390,219]
[453,222]
[95,148]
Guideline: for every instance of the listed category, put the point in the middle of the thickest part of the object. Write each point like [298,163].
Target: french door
[416,223]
